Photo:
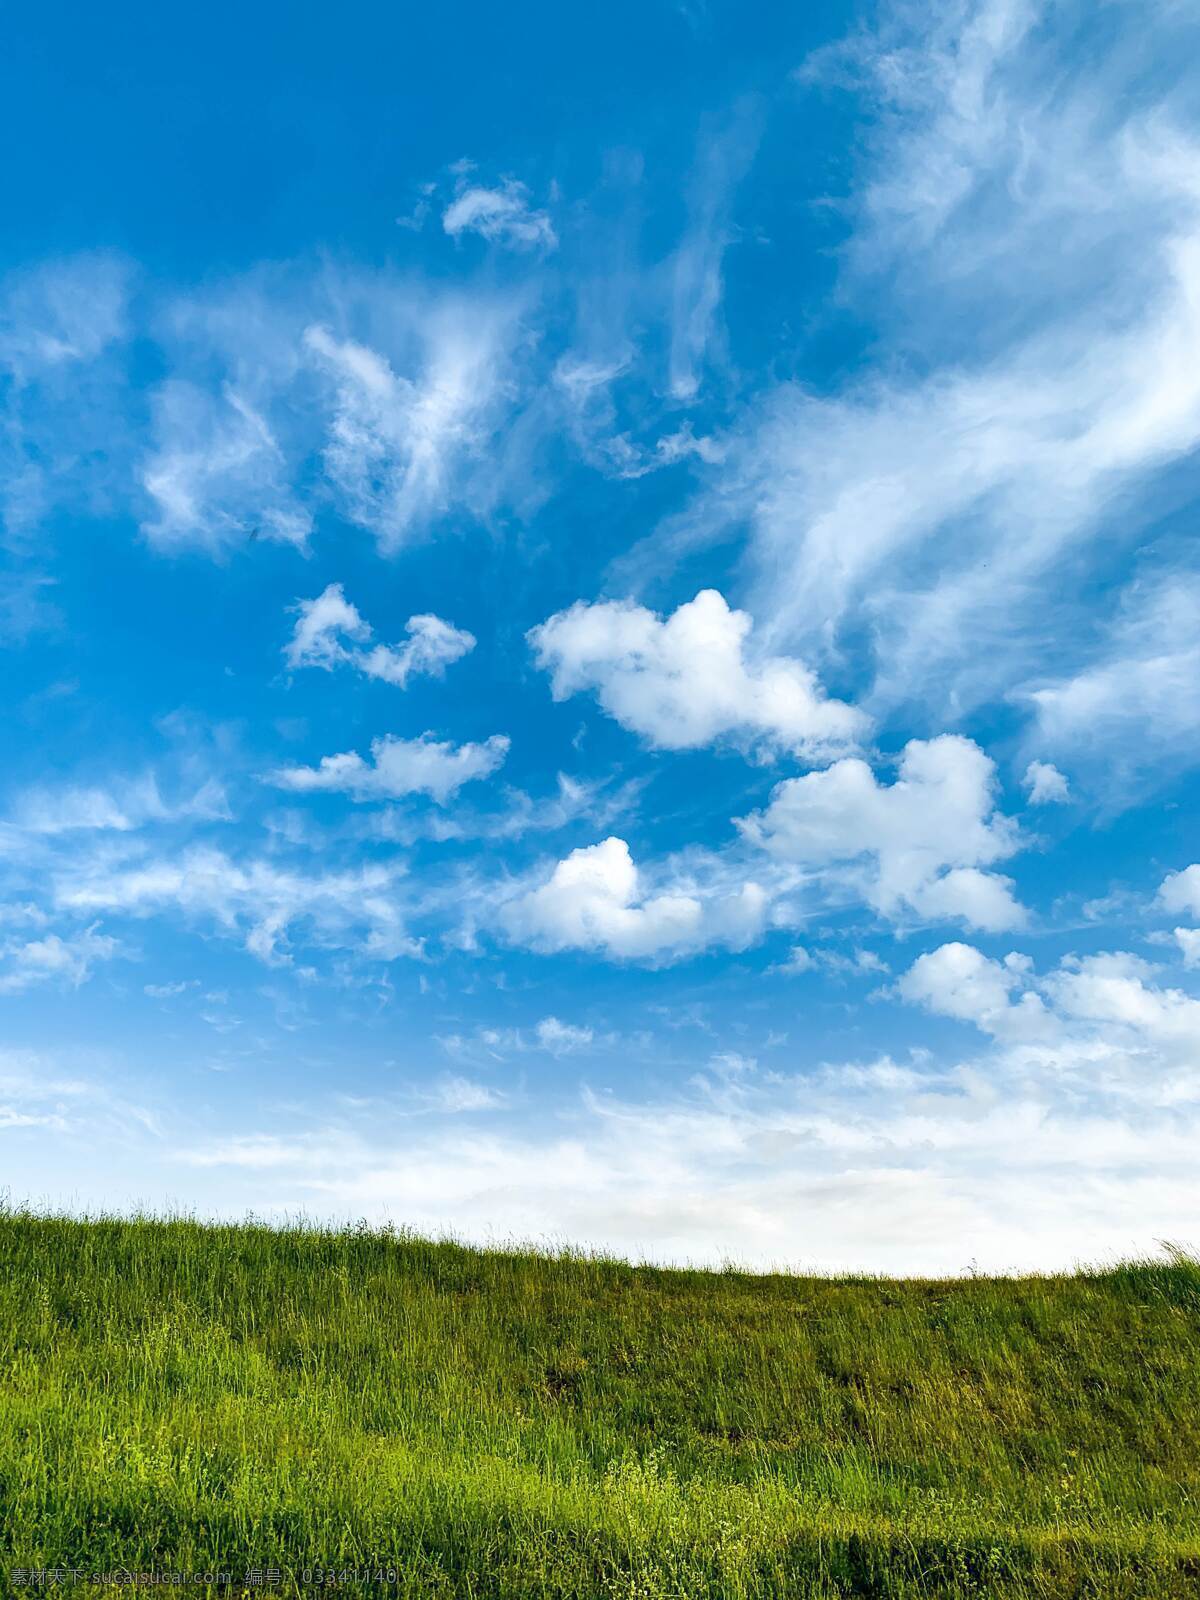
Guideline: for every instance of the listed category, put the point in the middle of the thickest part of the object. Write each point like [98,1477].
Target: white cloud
[1180,891]
[798,960]
[375,394]
[595,900]
[262,903]
[62,313]
[572,801]
[399,767]
[561,1038]
[400,450]
[453,1095]
[64,431]
[980,899]
[325,622]
[944,507]
[120,807]
[916,846]
[54,959]
[26,607]
[38,1091]
[217,475]
[621,457]
[501,215]
[858,963]
[1093,1015]
[696,284]
[688,680]
[1046,784]
[431,647]
[321,625]
[555,1037]
[1139,700]
[1023,1157]
[957,981]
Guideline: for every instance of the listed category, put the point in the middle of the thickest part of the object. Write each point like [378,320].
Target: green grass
[187,1397]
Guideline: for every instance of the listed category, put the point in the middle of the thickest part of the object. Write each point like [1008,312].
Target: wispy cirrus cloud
[54,959]
[291,391]
[915,508]
[1134,706]
[399,448]
[501,214]
[723,157]
[65,433]
[265,904]
[120,807]
[217,475]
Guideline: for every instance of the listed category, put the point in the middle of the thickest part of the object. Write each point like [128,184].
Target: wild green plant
[198,1398]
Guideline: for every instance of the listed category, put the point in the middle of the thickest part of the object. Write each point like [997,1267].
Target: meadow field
[382,1414]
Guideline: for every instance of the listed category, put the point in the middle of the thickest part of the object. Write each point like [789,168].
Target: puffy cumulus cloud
[217,475]
[687,680]
[324,624]
[260,902]
[54,959]
[321,627]
[1180,891]
[399,767]
[980,899]
[917,846]
[595,900]
[1092,1015]
[1045,784]
[501,215]
[432,645]
[958,981]
[1113,990]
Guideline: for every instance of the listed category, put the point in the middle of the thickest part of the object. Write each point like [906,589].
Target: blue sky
[599,622]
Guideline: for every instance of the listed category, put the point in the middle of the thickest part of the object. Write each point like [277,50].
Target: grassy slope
[188,1397]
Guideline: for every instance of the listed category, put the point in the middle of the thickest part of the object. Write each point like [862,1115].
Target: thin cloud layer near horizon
[600,623]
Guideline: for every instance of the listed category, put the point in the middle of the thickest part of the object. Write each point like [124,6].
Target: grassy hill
[190,1398]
